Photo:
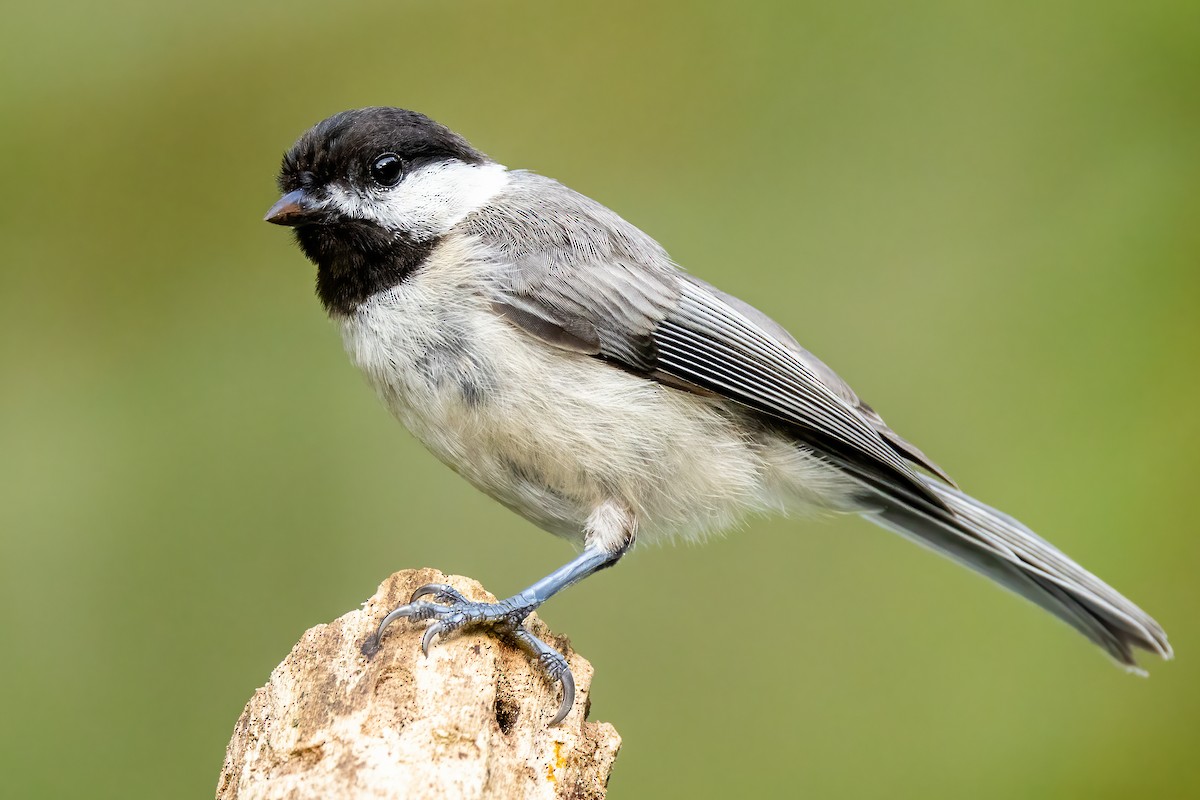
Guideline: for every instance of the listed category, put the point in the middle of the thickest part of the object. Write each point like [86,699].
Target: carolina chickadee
[552,354]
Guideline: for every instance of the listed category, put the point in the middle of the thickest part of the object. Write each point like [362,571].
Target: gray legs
[453,611]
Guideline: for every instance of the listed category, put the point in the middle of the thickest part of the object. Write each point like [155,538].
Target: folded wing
[580,277]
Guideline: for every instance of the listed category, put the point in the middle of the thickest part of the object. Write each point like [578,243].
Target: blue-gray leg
[453,611]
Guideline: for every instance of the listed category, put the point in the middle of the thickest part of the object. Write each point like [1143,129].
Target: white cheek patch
[429,201]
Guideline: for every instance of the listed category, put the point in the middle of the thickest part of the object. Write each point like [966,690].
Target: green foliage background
[984,215]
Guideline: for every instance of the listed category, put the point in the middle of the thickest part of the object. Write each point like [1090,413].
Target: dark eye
[387,170]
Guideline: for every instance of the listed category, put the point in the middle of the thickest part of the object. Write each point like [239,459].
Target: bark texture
[469,721]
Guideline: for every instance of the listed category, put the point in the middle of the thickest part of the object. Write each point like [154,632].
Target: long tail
[1000,547]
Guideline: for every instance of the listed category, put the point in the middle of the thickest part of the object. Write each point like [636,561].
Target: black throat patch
[356,259]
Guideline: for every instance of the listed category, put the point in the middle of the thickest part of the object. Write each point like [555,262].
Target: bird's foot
[452,611]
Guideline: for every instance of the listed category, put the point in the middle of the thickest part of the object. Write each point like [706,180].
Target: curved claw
[431,633]
[442,591]
[395,614]
[568,701]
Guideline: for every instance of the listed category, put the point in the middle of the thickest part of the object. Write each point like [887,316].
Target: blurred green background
[984,215]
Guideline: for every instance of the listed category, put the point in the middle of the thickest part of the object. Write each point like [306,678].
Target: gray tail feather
[1001,548]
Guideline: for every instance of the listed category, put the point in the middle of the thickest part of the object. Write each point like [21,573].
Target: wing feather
[576,275]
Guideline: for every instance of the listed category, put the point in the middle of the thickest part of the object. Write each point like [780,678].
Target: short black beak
[294,209]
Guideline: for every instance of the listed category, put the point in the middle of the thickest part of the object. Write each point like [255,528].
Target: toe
[441,592]
[393,615]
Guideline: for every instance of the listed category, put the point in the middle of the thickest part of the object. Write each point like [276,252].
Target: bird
[554,356]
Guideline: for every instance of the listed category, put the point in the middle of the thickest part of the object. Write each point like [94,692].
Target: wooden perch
[469,721]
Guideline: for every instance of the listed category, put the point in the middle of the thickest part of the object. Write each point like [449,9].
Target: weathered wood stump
[469,721]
